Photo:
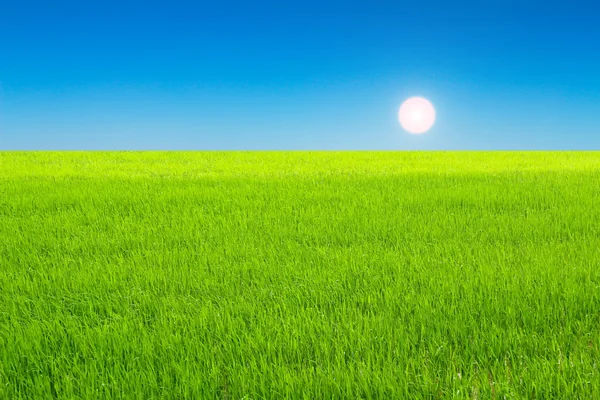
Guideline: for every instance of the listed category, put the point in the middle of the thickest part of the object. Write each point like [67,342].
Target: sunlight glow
[416,115]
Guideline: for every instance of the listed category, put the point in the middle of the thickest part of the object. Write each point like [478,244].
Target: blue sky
[298,75]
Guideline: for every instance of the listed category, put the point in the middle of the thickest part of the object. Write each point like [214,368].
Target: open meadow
[304,275]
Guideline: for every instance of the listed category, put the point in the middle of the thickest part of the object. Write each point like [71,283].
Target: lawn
[304,275]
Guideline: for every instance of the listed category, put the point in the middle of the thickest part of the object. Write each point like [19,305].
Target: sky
[298,75]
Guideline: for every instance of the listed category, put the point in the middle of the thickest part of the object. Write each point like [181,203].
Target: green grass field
[304,275]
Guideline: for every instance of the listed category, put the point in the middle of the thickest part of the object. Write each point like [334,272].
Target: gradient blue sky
[298,75]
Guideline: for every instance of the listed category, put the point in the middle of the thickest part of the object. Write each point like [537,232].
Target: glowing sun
[416,115]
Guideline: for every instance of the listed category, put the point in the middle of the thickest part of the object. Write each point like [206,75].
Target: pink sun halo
[416,115]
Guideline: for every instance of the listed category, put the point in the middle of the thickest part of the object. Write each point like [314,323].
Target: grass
[374,275]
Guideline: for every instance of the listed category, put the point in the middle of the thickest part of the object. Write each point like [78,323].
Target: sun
[416,115]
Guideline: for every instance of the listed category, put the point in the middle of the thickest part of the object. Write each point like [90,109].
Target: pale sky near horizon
[298,75]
